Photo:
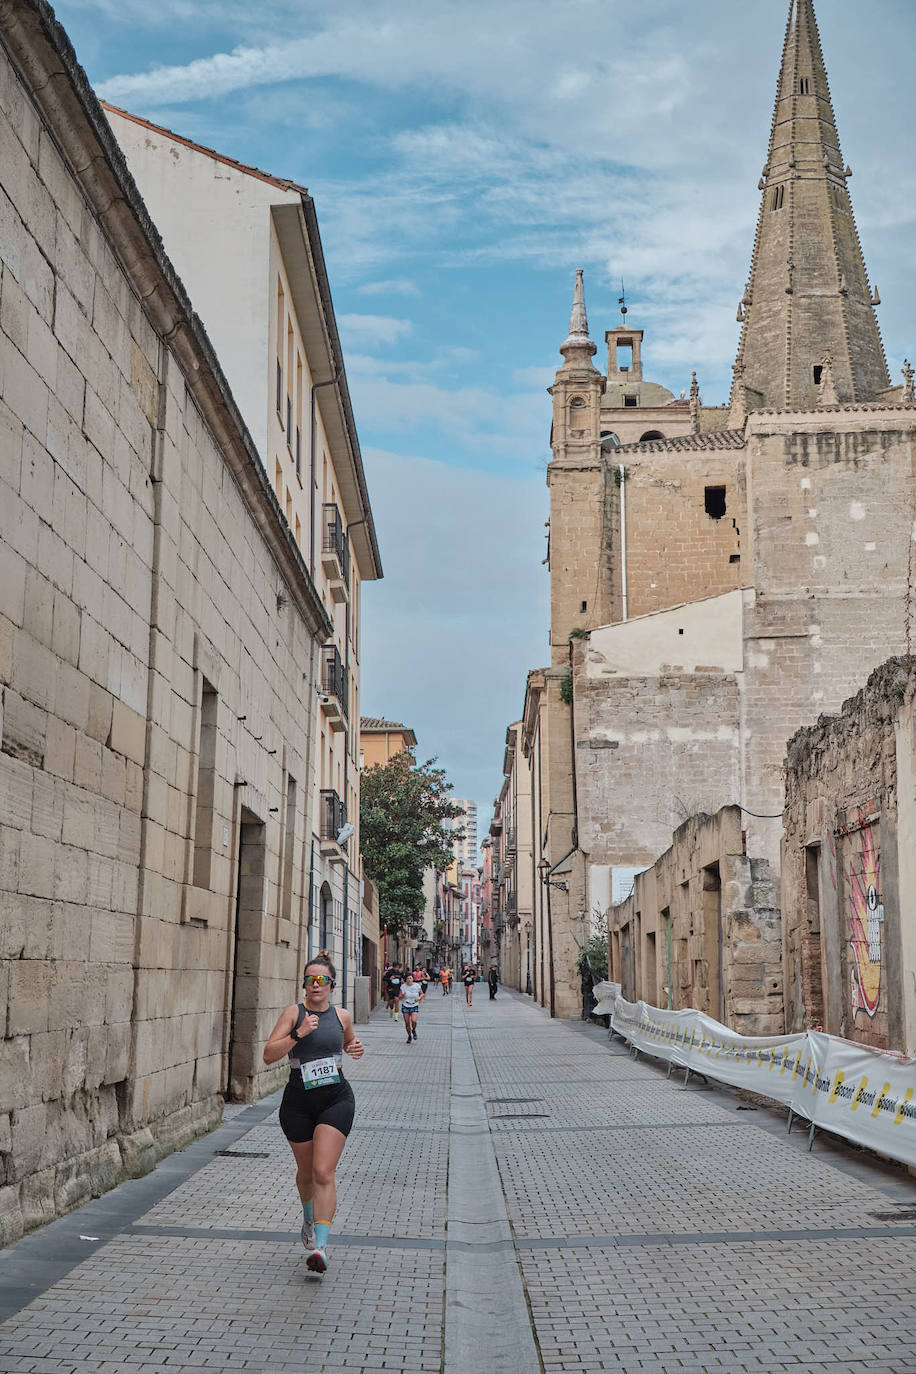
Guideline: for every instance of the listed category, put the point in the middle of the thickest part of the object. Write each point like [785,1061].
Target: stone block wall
[702,930]
[676,551]
[650,752]
[157,659]
[832,497]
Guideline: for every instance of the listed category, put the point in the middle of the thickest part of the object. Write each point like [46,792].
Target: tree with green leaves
[402,814]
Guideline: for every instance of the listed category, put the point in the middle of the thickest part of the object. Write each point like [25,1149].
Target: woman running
[412,995]
[318,1104]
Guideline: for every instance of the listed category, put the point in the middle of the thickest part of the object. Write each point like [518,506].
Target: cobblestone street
[516,1195]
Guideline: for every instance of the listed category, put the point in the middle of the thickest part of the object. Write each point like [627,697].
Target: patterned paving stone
[655,1229]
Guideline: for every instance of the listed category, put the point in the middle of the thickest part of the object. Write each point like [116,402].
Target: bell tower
[576,477]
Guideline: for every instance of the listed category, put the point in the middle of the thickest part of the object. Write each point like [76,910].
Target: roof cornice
[341,390]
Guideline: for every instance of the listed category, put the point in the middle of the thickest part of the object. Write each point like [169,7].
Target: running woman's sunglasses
[317,980]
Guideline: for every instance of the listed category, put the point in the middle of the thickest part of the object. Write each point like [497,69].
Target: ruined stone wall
[847,952]
[702,929]
[155,700]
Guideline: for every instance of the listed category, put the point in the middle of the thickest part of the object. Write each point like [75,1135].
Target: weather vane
[622,299]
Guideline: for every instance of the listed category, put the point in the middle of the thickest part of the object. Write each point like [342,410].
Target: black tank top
[321,1043]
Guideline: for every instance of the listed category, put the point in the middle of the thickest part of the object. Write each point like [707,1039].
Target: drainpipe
[311,903]
[623,537]
[332,381]
[346,929]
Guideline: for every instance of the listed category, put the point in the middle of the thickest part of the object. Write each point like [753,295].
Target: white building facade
[248,249]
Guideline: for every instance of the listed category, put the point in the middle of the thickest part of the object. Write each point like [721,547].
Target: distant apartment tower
[465,850]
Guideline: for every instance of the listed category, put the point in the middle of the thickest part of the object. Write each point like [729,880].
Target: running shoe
[317,1261]
[308,1234]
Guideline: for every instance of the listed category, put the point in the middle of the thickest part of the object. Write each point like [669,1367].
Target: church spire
[578,346]
[808,294]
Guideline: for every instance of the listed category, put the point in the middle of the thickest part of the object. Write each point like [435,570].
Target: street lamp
[528,957]
[545,871]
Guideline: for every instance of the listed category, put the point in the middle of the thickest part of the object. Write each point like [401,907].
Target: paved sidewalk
[517,1195]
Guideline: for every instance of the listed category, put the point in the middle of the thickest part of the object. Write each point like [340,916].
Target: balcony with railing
[332,817]
[335,553]
[334,688]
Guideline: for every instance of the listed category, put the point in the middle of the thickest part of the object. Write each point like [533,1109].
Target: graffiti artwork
[865,921]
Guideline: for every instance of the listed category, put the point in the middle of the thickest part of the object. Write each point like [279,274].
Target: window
[609,440]
[818,373]
[289,844]
[206,778]
[651,434]
[281,319]
[715,502]
[289,422]
[624,355]
[299,454]
[631,400]
[779,196]
[278,480]
[577,403]
[804,87]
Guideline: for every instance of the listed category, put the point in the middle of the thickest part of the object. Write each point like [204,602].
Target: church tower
[809,334]
[578,528]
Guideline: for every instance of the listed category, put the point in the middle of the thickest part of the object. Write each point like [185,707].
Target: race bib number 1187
[318,1073]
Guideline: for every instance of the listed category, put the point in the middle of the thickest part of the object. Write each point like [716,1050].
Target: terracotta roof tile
[715,438]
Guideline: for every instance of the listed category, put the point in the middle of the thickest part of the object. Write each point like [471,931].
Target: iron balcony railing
[333,814]
[334,676]
[335,539]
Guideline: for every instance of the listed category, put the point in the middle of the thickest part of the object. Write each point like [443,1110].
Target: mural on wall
[864,920]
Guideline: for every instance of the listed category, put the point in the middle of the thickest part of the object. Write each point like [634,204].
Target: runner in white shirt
[410,997]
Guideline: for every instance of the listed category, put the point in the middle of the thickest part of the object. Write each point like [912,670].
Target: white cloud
[635,152]
[396,286]
[368,329]
[536,378]
[403,397]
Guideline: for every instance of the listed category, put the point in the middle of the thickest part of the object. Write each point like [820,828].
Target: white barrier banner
[864,1094]
[606,995]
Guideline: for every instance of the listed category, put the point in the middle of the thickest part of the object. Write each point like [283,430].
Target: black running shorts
[301,1111]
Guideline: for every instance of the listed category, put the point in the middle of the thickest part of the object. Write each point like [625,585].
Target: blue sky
[465,158]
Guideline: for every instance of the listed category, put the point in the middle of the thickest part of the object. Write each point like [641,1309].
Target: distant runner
[470,978]
[412,995]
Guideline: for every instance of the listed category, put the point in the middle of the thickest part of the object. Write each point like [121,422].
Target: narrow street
[516,1195]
